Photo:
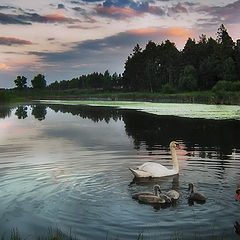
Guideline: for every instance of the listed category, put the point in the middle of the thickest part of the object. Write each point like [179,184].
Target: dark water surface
[67,167]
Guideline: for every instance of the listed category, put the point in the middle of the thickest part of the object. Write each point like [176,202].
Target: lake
[65,165]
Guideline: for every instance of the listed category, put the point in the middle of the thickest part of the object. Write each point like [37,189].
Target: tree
[107,81]
[21,82]
[229,70]
[226,44]
[116,80]
[169,64]
[39,82]
[74,83]
[190,54]
[136,49]
[208,73]
[133,75]
[151,66]
[188,81]
[54,86]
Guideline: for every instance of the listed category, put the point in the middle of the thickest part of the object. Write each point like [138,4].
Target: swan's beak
[237,196]
[178,146]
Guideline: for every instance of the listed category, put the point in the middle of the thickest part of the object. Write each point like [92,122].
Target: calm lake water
[66,166]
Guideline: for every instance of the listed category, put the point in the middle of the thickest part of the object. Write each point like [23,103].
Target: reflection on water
[39,112]
[67,166]
[21,112]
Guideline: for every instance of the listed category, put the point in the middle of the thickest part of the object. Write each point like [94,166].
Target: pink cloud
[4,67]
[80,27]
[13,41]
[179,35]
[59,18]
[117,12]
[179,32]
[144,31]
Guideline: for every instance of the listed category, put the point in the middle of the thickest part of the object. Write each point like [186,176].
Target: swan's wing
[196,196]
[173,194]
[150,199]
[138,173]
[152,165]
[166,198]
[136,195]
[151,169]
[154,169]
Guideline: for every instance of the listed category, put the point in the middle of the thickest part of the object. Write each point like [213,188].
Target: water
[67,167]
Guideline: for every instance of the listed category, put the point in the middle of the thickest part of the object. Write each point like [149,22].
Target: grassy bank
[57,234]
[8,96]
[209,97]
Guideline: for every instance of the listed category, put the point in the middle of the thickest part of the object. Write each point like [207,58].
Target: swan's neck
[191,190]
[174,159]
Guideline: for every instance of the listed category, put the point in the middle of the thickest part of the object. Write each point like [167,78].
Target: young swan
[153,198]
[195,196]
[237,227]
[152,169]
[173,195]
[153,193]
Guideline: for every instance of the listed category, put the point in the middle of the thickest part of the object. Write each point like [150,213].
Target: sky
[63,39]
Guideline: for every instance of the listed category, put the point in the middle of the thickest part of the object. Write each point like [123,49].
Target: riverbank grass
[208,97]
[57,234]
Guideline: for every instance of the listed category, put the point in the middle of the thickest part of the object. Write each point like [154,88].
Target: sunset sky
[63,39]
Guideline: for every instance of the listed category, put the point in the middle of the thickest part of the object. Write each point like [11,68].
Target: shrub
[236,86]
[188,80]
[222,86]
[226,86]
[4,97]
[167,88]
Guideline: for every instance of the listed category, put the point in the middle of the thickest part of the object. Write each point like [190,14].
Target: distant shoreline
[207,97]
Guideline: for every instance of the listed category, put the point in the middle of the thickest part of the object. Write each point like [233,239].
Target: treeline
[201,65]
[94,80]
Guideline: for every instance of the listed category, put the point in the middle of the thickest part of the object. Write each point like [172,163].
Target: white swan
[151,169]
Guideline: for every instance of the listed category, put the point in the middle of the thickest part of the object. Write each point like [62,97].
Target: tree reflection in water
[21,112]
[5,111]
[200,136]
[39,111]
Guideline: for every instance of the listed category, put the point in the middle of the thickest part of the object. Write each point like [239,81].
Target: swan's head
[157,188]
[190,187]
[174,145]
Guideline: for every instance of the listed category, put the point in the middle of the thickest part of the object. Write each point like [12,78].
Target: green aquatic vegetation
[217,112]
